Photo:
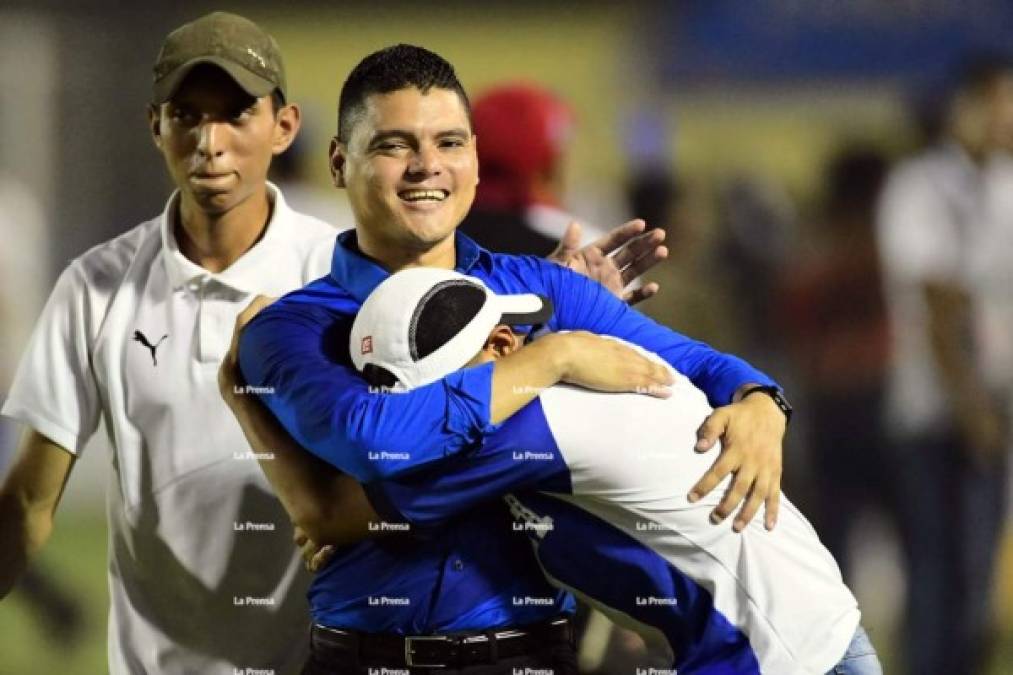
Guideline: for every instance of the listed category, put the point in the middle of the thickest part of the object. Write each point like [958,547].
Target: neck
[216,240]
[395,257]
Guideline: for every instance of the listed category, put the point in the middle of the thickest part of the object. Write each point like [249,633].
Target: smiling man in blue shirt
[406,155]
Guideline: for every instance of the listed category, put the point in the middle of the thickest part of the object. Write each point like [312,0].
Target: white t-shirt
[631,464]
[203,574]
[943,219]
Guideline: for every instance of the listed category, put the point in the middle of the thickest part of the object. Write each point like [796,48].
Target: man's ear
[478,173]
[502,341]
[286,126]
[154,124]
[336,160]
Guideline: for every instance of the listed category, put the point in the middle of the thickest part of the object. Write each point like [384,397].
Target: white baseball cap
[423,323]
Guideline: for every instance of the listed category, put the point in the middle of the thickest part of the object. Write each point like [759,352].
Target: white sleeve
[919,235]
[54,389]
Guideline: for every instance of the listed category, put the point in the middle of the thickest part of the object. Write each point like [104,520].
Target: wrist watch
[776,395]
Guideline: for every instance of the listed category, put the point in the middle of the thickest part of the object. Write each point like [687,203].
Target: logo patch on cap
[367,344]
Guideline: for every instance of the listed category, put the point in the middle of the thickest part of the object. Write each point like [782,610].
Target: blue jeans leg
[860,659]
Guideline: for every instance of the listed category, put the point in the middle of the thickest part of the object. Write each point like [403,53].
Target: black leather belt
[344,647]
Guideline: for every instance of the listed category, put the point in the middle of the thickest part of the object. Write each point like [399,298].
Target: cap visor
[251,83]
[525,309]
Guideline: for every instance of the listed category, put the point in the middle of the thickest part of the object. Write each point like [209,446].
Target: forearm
[20,538]
[519,377]
[28,501]
[326,504]
[949,309]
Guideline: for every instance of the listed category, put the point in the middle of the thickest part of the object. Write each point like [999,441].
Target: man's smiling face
[409,166]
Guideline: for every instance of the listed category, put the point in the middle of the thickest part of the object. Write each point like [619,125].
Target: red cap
[522,129]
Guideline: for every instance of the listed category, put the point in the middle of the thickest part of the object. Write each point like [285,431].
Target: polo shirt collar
[359,274]
[249,273]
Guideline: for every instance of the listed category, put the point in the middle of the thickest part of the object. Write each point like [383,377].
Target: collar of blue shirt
[359,274]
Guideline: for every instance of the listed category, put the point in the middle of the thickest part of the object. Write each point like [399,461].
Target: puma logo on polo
[139,337]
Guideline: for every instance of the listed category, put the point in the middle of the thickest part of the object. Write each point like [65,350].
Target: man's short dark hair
[399,67]
[979,72]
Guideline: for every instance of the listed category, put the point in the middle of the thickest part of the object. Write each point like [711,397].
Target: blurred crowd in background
[837,191]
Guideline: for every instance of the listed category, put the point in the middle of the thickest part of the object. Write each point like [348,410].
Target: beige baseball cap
[233,43]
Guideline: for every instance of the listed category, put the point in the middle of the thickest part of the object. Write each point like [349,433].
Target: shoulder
[103,267]
[317,306]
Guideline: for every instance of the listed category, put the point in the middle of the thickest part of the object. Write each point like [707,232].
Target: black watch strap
[776,395]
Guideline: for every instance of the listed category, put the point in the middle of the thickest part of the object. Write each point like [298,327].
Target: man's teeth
[419,195]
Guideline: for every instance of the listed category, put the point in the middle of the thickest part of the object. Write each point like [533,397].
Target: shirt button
[458,565]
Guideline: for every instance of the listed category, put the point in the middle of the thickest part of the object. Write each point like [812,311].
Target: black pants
[557,658]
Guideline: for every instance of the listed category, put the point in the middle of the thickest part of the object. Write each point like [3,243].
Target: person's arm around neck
[28,501]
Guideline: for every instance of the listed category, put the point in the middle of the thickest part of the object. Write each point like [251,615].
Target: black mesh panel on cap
[441,314]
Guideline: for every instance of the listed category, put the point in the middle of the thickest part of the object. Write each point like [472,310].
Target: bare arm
[28,501]
[324,503]
[975,411]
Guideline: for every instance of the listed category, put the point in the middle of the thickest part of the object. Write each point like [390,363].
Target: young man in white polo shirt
[203,575]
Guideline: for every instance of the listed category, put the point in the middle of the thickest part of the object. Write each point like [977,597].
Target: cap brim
[525,309]
[253,84]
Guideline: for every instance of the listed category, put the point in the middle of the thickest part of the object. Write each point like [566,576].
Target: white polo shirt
[203,574]
[944,219]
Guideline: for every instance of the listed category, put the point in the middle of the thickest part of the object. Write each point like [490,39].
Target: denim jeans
[860,659]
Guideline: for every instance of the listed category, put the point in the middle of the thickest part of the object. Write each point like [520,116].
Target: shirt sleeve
[54,389]
[521,455]
[583,304]
[330,410]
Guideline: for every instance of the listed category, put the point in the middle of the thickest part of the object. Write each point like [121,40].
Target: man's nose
[211,139]
[425,161]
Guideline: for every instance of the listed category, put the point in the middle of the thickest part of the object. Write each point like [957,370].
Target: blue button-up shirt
[474,573]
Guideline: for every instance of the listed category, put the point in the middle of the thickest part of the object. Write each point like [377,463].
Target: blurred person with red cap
[524,131]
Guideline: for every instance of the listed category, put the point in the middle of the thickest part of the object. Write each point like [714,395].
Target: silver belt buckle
[409,650]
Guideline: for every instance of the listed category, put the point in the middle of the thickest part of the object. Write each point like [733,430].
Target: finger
[643,263]
[756,497]
[618,236]
[638,247]
[711,430]
[569,243]
[600,268]
[740,487]
[252,309]
[772,504]
[321,559]
[308,552]
[638,295]
[714,475]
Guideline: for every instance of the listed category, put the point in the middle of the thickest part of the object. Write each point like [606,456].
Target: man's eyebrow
[454,132]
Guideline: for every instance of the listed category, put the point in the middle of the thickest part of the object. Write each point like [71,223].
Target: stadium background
[712,90]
